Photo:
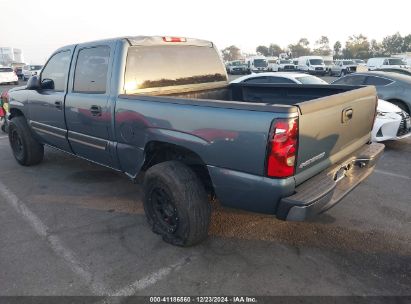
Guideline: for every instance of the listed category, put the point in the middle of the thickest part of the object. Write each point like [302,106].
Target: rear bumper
[326,189]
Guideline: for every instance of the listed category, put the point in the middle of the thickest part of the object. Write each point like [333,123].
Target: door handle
[58,104]
[95,110]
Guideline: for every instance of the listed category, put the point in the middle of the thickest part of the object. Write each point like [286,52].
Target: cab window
[351,80]
[377,81]
[56,70]
[91,70]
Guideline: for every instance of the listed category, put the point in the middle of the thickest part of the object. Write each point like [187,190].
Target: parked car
[160,109]
[386,62]
[30,70]
[8,76]
[295,62]
[282,65]
[392,87]
[236,67]
[391,123]
[312,65]
[328,64]
[284,78]
[396,70]
[19,72]
[360,62]
[342,67]
[257,64]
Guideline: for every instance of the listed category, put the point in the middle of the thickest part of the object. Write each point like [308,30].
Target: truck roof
[151,41]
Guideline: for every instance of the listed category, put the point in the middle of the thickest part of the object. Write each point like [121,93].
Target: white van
[312,65]
[386,62]
[257,64]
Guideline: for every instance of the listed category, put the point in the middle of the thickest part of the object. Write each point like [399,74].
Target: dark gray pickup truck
[160,110]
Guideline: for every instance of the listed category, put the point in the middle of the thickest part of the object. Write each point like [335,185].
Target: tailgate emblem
[347,115]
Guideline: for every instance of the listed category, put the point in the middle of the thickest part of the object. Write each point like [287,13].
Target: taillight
[282,148]
[375,112]
[174,39]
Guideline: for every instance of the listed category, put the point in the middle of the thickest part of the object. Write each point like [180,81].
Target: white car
[280,77]
[7,75]
[282,65]
[30,70]
[391,122]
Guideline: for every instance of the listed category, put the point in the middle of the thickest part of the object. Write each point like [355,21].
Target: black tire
[401,105]
[176,204]
[26,149]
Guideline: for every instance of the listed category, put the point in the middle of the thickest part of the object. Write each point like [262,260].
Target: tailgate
[332,127]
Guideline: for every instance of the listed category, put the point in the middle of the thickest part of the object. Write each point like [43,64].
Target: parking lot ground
[69,227]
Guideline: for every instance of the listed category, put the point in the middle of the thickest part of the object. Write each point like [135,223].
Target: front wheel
[176,204]
[26,149]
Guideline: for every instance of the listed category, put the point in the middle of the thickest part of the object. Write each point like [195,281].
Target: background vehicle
[257,64]
[343,67]
[283,65]
[160,109]
[391,122]
[360,62]
[284,78]
[295,62]
[392,87]
[385,62]
[312,65]
[236,67]
[7,75]
[272,61]
[30,70]
[328,64]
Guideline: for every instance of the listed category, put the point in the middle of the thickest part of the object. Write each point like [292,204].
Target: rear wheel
[176,204]
[26,149]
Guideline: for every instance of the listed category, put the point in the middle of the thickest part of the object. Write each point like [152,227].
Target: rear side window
[351,80]
[377,81]
[91,70]
[56,69]
[160,67]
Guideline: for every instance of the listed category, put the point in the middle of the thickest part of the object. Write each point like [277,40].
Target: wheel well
[400,102]
[158,152]
[15,112]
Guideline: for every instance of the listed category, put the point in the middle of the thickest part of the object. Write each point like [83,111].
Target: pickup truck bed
[289,150]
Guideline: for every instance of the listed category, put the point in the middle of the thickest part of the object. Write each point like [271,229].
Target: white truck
[257,64]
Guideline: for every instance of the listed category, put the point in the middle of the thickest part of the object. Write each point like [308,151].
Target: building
[9,55]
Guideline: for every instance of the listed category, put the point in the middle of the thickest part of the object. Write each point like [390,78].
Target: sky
[39,27]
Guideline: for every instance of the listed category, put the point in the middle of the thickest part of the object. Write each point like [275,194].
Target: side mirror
[33,83]
[47,84]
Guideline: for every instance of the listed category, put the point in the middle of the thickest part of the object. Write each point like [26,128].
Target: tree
[301,48]
[275,50]
[337,49]
[262,49]
[376,49]
[406,46]
[393,44]
[357,47]
[322,46]
[231,53]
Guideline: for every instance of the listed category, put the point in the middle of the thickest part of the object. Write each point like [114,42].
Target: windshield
[310,80]
[160,66]
[35,67]
[348,62]
[316,61]
[237,63]
[285,61]
[260,63]
[396,61]
[6,70]
[328,62]
[359,61]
